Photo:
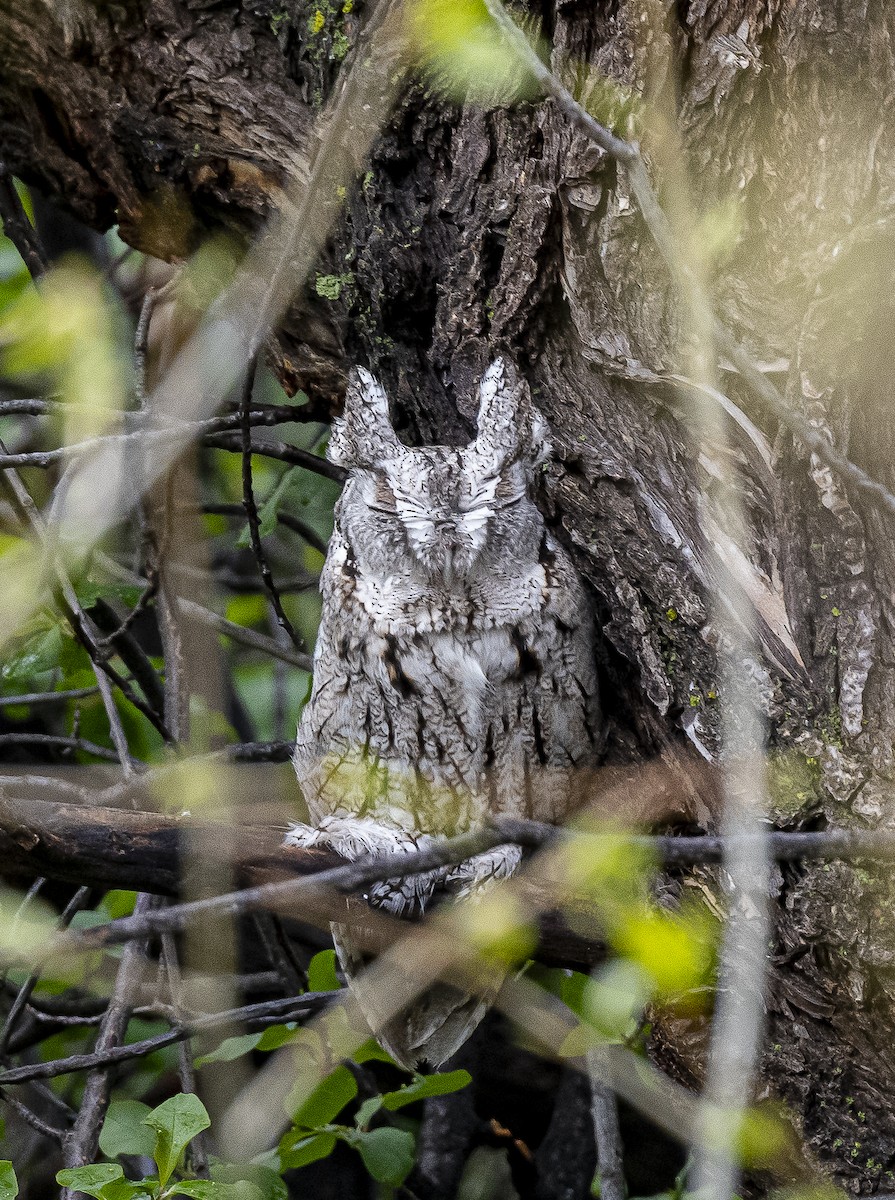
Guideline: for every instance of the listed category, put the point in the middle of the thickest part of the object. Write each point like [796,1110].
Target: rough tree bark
[476,230]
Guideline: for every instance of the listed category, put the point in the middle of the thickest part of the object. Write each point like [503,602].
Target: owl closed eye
[443,500]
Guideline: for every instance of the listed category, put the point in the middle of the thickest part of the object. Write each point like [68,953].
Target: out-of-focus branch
[40,699]
[77,618]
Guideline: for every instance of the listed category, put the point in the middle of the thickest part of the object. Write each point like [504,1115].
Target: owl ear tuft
[510,427]
[363,435]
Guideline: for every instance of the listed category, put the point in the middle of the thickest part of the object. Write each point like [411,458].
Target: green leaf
[327,1100]
[388,1154]
[40,652]
[202,1189]
[102,1180]
[231,1048]
[439,1084]
[277,1035]
[118,903]
[89,591]
[572,991]
[9,1185]
[367,1111]
[322,972]
[371,1051]
[268,1182]
[124,1130]
[176,1122]
[214,1189]
[298,1149]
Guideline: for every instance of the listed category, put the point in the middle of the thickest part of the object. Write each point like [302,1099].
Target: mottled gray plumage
[454,677]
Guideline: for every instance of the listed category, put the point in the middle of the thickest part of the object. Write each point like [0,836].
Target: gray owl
[454,676]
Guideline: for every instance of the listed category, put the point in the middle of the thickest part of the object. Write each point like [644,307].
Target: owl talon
[476,875]
[356,837]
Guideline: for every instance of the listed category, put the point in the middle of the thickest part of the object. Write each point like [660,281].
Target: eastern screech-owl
[454,676]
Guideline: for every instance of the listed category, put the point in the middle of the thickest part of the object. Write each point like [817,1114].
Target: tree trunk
[481,230]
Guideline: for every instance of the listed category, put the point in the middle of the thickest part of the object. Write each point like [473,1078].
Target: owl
[454,674]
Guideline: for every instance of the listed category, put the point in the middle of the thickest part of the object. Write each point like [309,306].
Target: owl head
[439,504]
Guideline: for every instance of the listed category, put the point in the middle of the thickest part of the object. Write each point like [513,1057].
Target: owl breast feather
[435,710]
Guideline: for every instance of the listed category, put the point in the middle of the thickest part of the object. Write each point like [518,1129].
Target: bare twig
[257,1016]
[137,662]
[53,1132]
[74,905]
[246,637]
[18,228]
[39,699]
[82,1142]
[248,499]
[198,1148]
[25,408]
[75,614]
[280,450]
[604,1111]
[59,742]
[283,518]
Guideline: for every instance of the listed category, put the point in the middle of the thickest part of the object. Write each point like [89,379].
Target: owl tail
[430,1029]
[437,1023]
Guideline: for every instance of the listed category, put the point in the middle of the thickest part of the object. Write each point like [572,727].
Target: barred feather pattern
[454,676]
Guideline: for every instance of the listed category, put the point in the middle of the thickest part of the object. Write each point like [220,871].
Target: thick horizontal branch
[154,852]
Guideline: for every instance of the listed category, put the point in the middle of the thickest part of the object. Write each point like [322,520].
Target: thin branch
[280,450]
[77,902]
[198,1150]
[18,228]
[246,637]
[147,595]
[279,953]
[59,742]
[71,607]
[604,1112]
[137,662]
[25,408]
[283,518]
[260,752]
[251,508]
[141,346]
[44,1128]
[255,1016]
[39,699]
[82,1143]
[271,414]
